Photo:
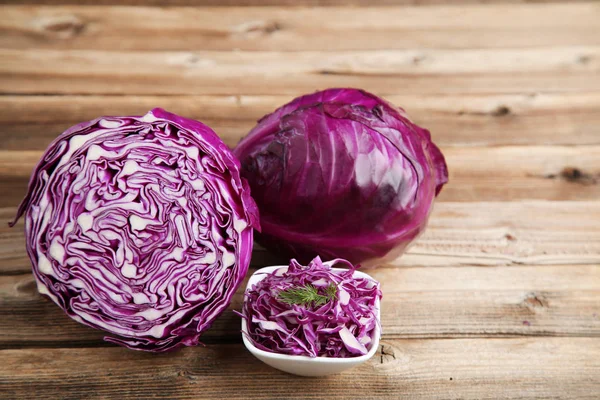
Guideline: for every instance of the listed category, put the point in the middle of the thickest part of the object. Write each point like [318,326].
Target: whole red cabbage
[140,226]
[341,174]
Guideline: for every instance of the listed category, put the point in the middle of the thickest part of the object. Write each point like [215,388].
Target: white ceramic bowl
[304,365]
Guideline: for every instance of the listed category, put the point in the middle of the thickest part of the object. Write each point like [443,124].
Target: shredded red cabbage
[313,310]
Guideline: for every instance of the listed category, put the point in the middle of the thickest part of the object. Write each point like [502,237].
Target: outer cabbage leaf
[140,226]
[341,174]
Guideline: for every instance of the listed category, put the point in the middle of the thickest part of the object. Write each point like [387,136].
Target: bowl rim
[255,278]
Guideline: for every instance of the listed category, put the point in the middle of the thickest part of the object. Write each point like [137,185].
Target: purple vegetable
[140,226]
[341,173]
[313,311]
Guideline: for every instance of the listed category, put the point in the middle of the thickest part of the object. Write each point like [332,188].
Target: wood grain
[32,122]
[522,172]
[459,234]
[293,29]
[418,302]
[428,369]
[556,69]
[501,173]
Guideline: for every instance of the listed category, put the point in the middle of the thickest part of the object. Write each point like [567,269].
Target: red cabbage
[341,174]
[313,310]
[140,226]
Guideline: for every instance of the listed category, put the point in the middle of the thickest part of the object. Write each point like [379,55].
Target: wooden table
[499,299]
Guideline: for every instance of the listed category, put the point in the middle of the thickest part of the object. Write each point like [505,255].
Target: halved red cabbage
[343,326]
[341,173]
[140,226]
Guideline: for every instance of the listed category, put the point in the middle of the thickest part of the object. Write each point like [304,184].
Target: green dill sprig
[307,295]
[331,291]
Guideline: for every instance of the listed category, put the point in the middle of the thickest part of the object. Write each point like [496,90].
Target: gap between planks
[226,4]
[284,4]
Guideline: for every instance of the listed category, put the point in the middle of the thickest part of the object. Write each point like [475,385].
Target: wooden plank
[557,69]
[278,3]
[502,173]
[554,368]
[508,233]
[522,172]
[418,302]
[32,122]
[293,29]
[458,234]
